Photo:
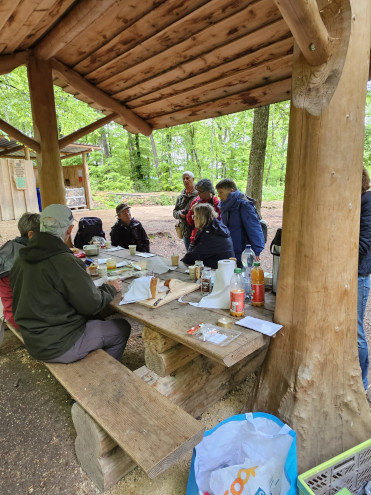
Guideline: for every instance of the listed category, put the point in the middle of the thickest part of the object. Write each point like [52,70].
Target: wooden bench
[121,421]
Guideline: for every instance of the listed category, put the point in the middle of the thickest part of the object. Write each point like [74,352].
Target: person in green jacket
[55,302]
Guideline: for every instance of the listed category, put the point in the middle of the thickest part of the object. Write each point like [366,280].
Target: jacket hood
[234,197]
[43,246]
[218,228]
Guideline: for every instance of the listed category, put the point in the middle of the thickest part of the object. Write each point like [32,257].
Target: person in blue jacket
[239,215]
[364,270]
[212,242]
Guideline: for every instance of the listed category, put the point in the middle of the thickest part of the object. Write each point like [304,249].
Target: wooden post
[46,132]
[311,378]
[26,153]
[86,181]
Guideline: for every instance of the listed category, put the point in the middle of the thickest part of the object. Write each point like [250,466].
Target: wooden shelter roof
[156,63]
[12,149]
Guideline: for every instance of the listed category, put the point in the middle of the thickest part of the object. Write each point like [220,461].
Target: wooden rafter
[307,27]
[19,136]
[10,62]
[64,141]
[11,150]
[100,97]
[78,19]
[70,155]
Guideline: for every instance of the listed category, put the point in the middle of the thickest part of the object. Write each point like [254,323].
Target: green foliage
[214,148]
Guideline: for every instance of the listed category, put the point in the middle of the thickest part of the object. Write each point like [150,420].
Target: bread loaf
[153,286]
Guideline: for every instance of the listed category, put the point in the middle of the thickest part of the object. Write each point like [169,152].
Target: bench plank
[153,431]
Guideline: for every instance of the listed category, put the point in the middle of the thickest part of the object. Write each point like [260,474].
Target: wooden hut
[154,64]
[20,179]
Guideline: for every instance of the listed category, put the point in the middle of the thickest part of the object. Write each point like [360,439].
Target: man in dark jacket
[240,216]
[128,231]
[364,270]
[54,298]
[27,225]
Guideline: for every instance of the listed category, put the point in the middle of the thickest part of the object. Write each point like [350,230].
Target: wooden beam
[12,150]
[70,155]
[308,29]
[64,141]
[46,132]
[10,62]
[19,136]
[100,97]
[78,19]
[86,181]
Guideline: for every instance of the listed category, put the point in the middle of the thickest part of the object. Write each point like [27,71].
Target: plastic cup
[108,244]
[102,270]
[111,264]
[133,249]
[175,260]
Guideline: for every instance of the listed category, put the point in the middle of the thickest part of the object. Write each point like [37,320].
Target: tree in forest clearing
[254,186]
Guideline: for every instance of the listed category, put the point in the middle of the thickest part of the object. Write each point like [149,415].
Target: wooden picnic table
[174,319]
[191,372]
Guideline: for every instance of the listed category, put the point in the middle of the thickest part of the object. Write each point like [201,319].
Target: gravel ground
[36,431]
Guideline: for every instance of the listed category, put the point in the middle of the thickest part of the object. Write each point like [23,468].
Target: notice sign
[19,175]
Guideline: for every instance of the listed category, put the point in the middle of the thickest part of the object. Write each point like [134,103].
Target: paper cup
[175,260]
[133,249]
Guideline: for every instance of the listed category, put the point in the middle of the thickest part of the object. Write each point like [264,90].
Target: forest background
[214,148]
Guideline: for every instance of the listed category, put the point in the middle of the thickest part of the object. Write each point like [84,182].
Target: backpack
[263,223]
[88,228]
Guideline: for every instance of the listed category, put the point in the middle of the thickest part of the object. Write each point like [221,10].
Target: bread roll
[153,286]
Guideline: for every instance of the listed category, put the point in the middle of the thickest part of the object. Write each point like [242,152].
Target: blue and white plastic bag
[247,454]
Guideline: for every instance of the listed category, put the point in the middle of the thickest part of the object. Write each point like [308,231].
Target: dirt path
[36,432]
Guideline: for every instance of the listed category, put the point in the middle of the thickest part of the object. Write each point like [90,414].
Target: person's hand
[257,258]
[116,283]
[181,215]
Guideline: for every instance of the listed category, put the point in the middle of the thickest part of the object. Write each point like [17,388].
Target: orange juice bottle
[237,297]
[257,285]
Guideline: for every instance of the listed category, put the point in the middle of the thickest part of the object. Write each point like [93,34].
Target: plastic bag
[259,437]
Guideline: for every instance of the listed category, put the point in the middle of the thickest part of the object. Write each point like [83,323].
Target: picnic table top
[174,319]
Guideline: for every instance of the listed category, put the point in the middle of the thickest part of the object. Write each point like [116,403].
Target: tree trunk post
[86,181]
[254,184]
[46,132]
[311,378]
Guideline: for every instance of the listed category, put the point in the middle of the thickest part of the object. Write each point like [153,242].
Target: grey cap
[61,213]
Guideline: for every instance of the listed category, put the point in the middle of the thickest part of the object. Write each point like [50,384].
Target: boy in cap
[128,231]
[55,300]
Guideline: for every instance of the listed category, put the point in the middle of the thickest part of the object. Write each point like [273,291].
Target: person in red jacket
[206,194]
[27,225]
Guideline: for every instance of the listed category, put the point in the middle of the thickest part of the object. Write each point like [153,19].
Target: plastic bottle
[257,285]
[247,260]
[237,294]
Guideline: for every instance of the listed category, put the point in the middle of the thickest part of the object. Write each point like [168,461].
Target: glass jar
[206,281]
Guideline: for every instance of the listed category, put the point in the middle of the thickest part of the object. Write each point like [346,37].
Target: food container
[91,250]
[93,269]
